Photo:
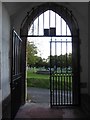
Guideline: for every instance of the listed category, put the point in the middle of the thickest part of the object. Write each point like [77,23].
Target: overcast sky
[43,43]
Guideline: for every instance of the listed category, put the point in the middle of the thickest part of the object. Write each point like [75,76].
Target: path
[39,95]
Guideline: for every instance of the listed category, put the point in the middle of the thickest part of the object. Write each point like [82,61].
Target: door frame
[60,10]
[16,73]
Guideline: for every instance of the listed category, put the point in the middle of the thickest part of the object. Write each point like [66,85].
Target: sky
[49,18]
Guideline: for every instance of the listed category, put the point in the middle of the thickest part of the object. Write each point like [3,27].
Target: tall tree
[60,60]
[31,52]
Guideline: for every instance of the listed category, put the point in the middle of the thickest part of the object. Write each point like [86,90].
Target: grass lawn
[43,81]
[37,80]
[31,74]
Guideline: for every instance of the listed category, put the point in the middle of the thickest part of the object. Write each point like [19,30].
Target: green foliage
[31,55]
[60,60]
[31,52]
[34,61]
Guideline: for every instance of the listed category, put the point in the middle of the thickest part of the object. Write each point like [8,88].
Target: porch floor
[41,108]
[36,110]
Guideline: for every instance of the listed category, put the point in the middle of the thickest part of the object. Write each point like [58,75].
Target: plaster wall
[80,11]
[89,50]
[0,58]
[5,60]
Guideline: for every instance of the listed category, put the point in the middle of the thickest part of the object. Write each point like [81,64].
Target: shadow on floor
[34,110]
[38,107]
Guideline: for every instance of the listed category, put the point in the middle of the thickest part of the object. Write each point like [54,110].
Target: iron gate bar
[55,72]
[69,99]
[55,19]
[72,65]
[61,22]
[32,29]
[70,86]
[55,57]
[62,41]
[51,84]
[43,22]
[72,102]
[61,74]
[64,89]
[66,71]
[49,21]
[68,90]
[66,23]
[49,36]
[53,90]
[67,87]
[38,20]
[72,62]
[58,90]
[61,88]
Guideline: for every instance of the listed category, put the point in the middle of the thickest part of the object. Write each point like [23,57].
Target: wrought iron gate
[61,74]
[16,74]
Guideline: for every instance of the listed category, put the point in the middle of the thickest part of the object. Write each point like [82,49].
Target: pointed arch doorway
[64,51]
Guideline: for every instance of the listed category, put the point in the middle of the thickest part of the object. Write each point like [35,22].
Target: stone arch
[67,15]
[62,11]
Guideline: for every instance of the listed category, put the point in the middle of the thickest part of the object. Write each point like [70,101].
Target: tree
[39,62]
[31,52]
[60,61]
[70,60]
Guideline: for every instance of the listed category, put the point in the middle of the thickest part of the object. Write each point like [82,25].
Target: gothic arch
[67,15]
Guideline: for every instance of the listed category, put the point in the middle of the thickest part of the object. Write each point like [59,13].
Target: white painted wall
[80,11]
[89,50]
[0,58]
[5,63]
[81,14]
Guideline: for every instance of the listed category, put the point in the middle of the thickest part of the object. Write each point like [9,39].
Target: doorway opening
[50,58]
[38,81]
[62,31]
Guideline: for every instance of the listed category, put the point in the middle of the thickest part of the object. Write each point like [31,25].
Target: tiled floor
[34,110]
